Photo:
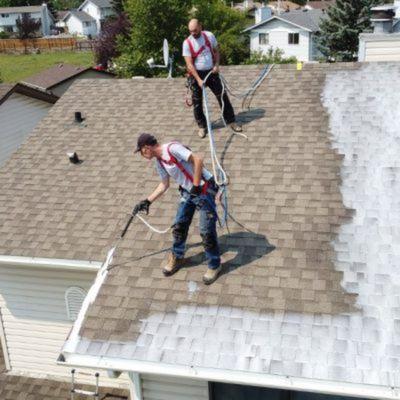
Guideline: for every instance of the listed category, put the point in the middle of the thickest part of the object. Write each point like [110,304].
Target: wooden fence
[43,44]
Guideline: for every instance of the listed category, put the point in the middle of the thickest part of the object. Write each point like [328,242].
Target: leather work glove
[195,191]
[143,205]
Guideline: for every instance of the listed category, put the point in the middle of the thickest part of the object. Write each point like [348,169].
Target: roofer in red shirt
[201,54]
[198,190]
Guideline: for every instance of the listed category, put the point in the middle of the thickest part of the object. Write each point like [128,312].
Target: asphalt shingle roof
[24,9]
[14,387]
[101,3]
[308,19]
[294,308]
[54,75]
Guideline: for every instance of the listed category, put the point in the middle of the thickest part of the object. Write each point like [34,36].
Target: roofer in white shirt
[198,190]
[201,54]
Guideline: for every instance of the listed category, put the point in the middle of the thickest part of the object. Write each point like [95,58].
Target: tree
[152,21]
[227,24]
[106,45]
[27,27]
[118,6]
[339,31]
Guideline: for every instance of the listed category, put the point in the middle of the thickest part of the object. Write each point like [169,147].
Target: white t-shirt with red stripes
[182,155]
[204,61]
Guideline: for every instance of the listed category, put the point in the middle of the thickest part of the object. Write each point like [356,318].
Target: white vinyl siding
[164,388]
[382,50]
[19,114]
[36,323]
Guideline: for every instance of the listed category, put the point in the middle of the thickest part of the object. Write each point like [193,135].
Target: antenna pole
[171,62]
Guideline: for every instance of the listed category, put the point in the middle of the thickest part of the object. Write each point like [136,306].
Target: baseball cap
[145,139]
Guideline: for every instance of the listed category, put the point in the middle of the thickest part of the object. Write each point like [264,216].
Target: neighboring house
[9,16]
[60,23]
[304,308]
[80,23]
[100,10]
[21,109]
[59,78]
[384,43]
[294,32]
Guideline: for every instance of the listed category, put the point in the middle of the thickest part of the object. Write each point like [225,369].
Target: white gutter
[51,263]
[235,377]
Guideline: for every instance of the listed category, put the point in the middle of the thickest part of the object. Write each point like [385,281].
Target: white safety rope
[220,176]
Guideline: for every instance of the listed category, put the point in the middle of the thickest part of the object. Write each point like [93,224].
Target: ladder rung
[85,392]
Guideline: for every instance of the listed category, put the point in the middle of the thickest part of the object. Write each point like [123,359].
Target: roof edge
[50,263]
[30,91]
[280,19]
[235,377]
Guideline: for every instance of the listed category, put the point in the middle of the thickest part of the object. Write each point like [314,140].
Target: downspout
[3,343]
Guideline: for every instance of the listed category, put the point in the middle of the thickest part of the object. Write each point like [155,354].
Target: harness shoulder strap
[208,44]
[174,160]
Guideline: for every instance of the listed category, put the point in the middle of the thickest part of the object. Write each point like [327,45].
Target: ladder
[74,391]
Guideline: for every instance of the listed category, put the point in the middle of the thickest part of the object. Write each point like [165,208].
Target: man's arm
[160,190]
[191,68]
[197,163]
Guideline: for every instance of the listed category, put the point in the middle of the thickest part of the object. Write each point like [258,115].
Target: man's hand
[195,191]
[143,205]
[215,70]
[200,83]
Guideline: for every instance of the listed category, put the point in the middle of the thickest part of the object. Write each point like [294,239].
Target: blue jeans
[208,229]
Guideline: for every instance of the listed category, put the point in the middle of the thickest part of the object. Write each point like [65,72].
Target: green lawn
[14,68]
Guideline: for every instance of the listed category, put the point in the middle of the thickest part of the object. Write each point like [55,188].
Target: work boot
[173,264]
[235,127]
[202,132]
[211,275]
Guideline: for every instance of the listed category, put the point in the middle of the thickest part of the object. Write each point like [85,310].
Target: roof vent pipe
[78,117]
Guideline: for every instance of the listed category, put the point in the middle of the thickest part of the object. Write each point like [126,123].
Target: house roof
[101,3]
[98,3]
[321,5]
[284,5]
[24,9]
[306,19]
[55,75]
[22,387]
[7,90]
[4,89]
[300,294]
[81,15]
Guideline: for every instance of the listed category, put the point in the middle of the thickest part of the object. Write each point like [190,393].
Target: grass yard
[14,68]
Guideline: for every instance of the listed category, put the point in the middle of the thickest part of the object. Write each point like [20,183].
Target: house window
[87,23]
[74,297]
[226,391]
[5,15]
[263,38]
[9,28]
[293,38]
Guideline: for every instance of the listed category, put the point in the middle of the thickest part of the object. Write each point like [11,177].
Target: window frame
[291,38]
[266,37]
